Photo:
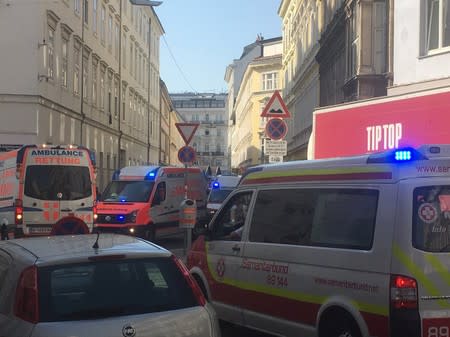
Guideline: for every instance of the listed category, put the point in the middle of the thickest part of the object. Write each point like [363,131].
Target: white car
[107,285]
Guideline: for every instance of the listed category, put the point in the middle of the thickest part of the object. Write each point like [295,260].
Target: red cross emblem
[428,213]
[220,268]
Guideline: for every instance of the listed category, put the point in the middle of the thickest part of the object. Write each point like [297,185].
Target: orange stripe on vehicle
[55,215]
[47,215]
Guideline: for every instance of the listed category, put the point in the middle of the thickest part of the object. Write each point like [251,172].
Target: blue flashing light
[216,185]
[151,175]
[121,217]
[122,199]
[403,155]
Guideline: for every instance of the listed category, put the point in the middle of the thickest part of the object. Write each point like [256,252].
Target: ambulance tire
[338,323]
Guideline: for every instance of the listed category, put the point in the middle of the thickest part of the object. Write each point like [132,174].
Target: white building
[82,72]
[421,45]
[211,137]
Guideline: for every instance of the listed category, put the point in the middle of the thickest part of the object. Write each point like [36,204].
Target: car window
[318,217]
[230,221]
[112,288]
[431,218]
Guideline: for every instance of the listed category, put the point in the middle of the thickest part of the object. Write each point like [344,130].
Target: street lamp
[148,3]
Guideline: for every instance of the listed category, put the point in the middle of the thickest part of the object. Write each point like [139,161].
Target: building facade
[82,72]
[164,125]
[302,22]
[211,137]
[261,78]
[421,46]
[354,51]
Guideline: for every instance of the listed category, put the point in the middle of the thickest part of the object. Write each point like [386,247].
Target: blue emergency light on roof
[216,184]
[121,217]
[396,156]
[403,155]
[151,175]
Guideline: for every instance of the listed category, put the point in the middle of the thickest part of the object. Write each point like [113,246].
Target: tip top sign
[276,107]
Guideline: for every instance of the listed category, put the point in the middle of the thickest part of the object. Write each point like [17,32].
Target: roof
[62,247]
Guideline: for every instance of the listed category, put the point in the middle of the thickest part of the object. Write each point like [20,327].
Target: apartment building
[82,72]
[211,137]
[259,81]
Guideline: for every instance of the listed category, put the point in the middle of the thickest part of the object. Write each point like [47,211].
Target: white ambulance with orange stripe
[47,189]
[345,247]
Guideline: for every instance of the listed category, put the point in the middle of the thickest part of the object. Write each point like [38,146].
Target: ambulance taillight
[18,212]
[403,292]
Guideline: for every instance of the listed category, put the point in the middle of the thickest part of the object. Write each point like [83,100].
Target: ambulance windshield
[217,196]
[431,218]
[46,182]
[128,191]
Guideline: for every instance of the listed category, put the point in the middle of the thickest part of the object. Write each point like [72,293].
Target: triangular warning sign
[276,107]
[187,130]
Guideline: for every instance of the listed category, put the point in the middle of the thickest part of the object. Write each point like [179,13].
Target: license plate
[40,230]
[436,327]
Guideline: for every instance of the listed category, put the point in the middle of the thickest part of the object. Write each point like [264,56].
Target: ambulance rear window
[45,182]
[431,218]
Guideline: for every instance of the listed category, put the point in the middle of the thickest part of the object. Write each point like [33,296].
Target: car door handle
[236,248]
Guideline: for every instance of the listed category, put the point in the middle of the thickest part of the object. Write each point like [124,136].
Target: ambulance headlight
[133,216]
[131,230]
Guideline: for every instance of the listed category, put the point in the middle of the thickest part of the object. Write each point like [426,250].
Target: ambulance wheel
[338,323]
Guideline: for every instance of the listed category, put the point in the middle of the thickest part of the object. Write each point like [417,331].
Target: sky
[202,37]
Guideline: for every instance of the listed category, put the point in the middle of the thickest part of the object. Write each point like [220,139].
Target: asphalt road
[176,244]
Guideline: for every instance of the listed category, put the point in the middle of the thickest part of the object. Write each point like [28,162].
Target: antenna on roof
[95,245]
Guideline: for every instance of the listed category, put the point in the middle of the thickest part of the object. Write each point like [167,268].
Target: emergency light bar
[396,156]
[215,185]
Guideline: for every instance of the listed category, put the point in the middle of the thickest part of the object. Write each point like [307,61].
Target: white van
[351,247]
[145,200]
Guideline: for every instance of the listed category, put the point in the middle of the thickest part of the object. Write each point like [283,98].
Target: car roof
[68,247]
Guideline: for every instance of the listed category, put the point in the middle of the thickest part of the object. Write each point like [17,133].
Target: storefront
[381,124]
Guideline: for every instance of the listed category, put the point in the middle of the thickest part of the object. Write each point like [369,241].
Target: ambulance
[352,246]
[46,186]
[145,201]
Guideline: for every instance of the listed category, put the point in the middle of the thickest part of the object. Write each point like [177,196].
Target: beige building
[82,72]
[260,79]
[176,141]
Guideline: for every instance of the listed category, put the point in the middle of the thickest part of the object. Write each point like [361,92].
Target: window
[64,63]
[352,42]
[207,117]
[269,81]
[85,78]
[76,71]
[124,90]
[103,25]
[87,291]
[315,217]
[206,147]
[109,95]
[116,97]
[50,53]
[102,90]
[116,41]
[207,132]
[94,16]
[76,5]
[110,32]
[131,57]
[86,11]
[94,83]
[437,24]
[124,51]
[431,223]
[230,222]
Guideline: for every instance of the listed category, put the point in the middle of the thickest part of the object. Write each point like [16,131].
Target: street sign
[276,107]
[186,154]
[275,147]
[276,128]
[275,159]
[187,130]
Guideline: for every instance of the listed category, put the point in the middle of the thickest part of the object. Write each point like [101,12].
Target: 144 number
[281,281]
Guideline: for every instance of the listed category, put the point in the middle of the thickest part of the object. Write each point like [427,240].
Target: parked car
[98,285]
